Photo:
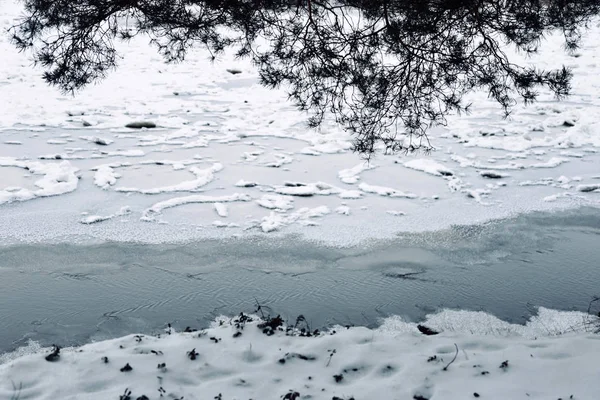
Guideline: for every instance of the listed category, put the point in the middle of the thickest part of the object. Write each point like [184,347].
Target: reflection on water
[70,294]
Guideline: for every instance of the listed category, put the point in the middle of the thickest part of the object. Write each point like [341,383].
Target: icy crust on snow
[475,355]
[153,137]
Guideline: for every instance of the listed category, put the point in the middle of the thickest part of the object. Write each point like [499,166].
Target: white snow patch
[57,179]
[93,219]
[551,163]
[124,153]
[343,210]
[97,140]
[478,195]
[56,141]
[203,177]
[396,213]
[303,216]
[280,160]
[429,166]
[385,191]
[352,175]
[306,189]
[276,202]
[223,224]
[150,213]
[221,210]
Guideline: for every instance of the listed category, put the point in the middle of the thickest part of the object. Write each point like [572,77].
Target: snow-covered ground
[230,158]
[221,156]
[476,356]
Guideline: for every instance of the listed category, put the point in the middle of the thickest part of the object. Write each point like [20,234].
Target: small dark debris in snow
[126,395]
[158,353]
[271,325]
[86,124]
[192,354]
[250,184]
[432,358]
[216,340]
[294,184]
[419,397]
[338,378]
[588,188]
[475,394]
[237,334]
[233,71]
[143,397]
[485,372]
[138,338]
[281,361]
[291,396]
[161,365]
[310,378]
[126,368]
[491,175]
[504,365]
[219,397]
[297,355]
[426,331]
[568,123]
[140,125]
[190,330]
[105,360]
[54,355]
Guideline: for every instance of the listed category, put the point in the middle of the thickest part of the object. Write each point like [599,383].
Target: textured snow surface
[173,140]
[476,355]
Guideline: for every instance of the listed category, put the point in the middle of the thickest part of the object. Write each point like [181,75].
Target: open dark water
[72,294]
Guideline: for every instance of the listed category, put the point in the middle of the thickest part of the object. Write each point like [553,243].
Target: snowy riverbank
[553,356]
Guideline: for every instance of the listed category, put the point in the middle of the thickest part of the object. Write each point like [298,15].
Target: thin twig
[455,355]
[594,299]
[259,308]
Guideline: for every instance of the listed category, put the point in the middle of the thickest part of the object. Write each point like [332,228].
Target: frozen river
[72,294]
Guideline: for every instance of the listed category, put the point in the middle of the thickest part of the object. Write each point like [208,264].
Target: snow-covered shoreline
[475,355]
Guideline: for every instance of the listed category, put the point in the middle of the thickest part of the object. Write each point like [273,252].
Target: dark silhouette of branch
[454,359]
[386,71]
